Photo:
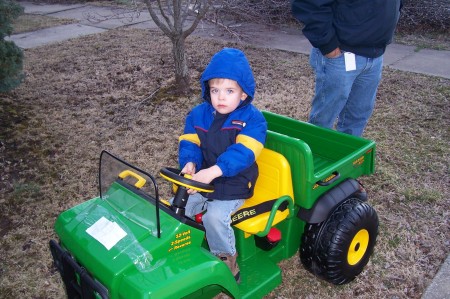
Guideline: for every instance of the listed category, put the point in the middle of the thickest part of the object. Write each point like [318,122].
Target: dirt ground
[108,91]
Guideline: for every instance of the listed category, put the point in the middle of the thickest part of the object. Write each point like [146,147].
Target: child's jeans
[217,219]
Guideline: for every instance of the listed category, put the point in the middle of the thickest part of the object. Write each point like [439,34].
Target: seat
[274,182]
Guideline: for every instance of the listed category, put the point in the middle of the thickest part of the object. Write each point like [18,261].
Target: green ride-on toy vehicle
[129,243]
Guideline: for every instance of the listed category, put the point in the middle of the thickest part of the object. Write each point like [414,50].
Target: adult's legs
[332,88]
[361,101]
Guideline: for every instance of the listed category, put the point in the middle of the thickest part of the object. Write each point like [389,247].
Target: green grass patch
[422,195]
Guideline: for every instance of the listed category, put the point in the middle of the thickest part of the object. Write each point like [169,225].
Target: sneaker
[230,261]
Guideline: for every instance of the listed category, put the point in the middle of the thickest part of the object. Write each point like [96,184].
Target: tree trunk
[182,79]
[171,19]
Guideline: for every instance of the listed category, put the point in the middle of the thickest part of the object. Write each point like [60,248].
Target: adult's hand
[333,54]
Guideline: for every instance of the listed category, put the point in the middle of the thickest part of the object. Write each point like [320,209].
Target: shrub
[11,56]
[419,16]
[431,16]
[269,12]
[9,10]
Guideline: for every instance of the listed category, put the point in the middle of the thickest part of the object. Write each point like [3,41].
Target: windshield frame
[129,166]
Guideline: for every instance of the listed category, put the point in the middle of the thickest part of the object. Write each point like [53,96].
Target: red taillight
[274,235]
[198,218]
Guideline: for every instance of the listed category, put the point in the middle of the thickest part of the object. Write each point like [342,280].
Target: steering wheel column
[184,183]
[180,200]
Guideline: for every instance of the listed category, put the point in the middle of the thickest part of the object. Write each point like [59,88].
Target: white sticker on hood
[108,233]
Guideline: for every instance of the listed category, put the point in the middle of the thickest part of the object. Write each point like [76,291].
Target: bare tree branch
[202,10]
[163,26]
[171,16]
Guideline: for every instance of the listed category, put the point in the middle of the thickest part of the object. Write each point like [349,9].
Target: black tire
[338,248]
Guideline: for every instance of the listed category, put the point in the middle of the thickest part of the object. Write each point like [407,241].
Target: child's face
[226,95]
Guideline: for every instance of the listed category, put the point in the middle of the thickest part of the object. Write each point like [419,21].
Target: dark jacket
[363,27]
[232,141]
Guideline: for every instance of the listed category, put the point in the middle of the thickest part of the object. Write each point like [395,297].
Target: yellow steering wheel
[184,183]
[175,176]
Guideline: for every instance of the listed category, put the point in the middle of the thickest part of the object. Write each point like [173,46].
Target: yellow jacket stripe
[190,137]
[252,144]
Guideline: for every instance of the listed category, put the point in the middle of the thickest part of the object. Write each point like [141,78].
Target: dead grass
[429,40]
[29,22]
[95,93]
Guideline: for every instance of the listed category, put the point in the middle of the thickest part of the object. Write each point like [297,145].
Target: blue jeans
[217,221]
[348,96]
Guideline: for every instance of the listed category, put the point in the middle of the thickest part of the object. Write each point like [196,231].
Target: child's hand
[206,176]
[189,168]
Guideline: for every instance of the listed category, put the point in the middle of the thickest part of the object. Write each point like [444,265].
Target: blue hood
[231,64]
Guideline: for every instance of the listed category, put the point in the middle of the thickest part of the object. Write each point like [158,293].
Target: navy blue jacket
[231,141]
[363,27]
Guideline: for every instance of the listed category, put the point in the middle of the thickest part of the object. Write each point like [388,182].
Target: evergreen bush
[11,56]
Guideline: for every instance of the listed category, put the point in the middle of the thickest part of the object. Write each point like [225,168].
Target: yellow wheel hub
[358,247]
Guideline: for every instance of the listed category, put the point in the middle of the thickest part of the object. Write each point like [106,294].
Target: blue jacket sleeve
[189,145]
[317,16]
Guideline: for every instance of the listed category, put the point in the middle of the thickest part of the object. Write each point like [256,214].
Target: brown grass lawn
[29,22]
[100,92]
